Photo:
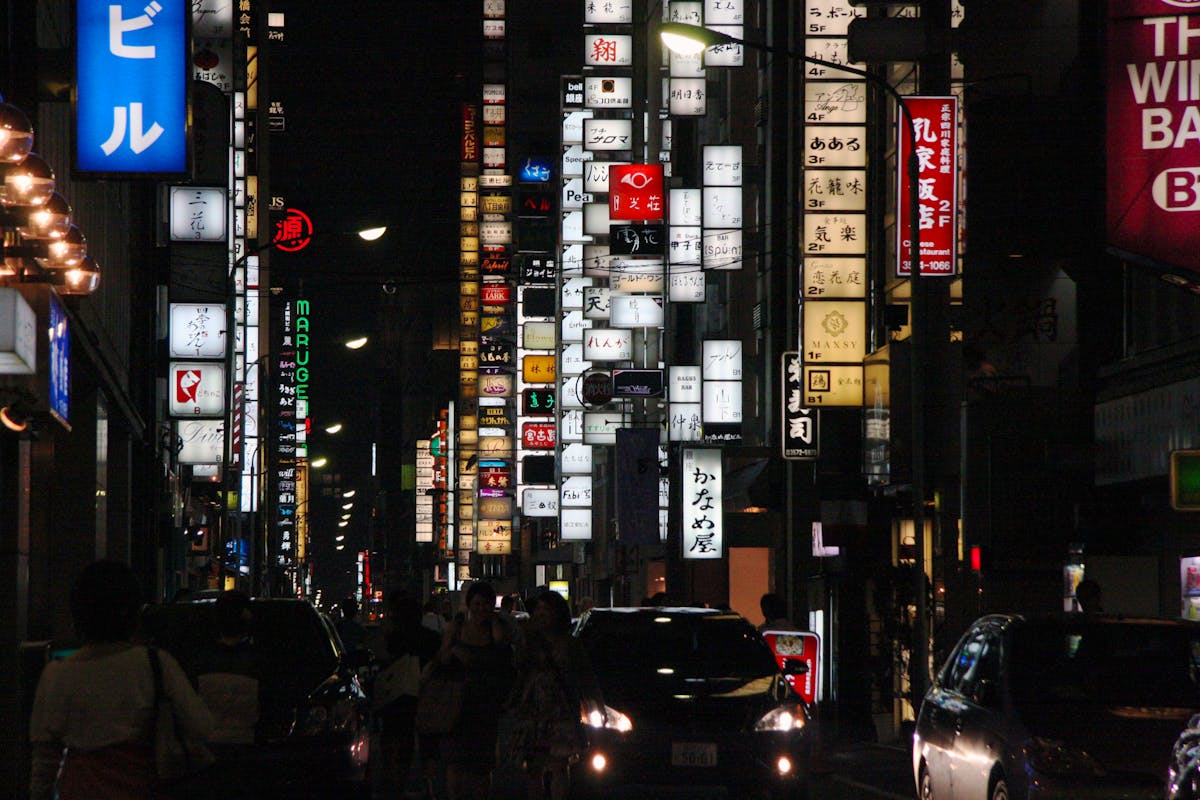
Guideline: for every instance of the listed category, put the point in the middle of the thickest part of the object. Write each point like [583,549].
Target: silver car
[1064,707]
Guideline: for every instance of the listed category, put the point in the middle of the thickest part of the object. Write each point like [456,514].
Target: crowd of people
[521,679]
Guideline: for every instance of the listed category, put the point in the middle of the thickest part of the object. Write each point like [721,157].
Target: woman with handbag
[95,712]
[474,665]
[554,680]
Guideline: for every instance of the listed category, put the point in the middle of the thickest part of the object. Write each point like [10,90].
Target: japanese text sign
[935,121]
[797,646]
[702,504]
[132,80]
[635,192]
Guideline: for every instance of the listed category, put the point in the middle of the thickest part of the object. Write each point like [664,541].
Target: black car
[1069,707]
[312,732]
[694,703]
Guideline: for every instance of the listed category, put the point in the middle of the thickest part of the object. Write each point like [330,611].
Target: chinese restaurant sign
[1154,130]
[936,122]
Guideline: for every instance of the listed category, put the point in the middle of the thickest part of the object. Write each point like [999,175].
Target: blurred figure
[774,612]
[554,681]
[433,618]
[586,604]
[1088,597]
[94,712]
[410,648]
[229,675]
[478,641]
[348,627]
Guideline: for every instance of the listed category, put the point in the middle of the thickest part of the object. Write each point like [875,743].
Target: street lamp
[692,39]
[356,344]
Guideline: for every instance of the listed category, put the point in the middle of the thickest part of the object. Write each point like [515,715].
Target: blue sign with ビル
[131,86]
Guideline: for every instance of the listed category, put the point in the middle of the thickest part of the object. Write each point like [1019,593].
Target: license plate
[693,754]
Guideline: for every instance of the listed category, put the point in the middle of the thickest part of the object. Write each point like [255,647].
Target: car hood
[1120,738]
[699,704]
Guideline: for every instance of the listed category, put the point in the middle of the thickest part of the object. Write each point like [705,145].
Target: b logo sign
[1178,189]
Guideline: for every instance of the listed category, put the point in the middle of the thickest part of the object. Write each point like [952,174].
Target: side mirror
[359,659]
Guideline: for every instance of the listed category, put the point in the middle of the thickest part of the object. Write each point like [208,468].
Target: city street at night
[754,399]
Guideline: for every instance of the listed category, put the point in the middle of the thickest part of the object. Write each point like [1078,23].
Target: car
[313,729]
[1183,774]
[1057,706]
[694,702]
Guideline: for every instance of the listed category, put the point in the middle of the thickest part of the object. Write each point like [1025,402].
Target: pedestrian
[433,617]
[94,712]
[348,627]
[1088,597]
[554,683]
[410,647]
[774,612]
[230,675]
[477,642]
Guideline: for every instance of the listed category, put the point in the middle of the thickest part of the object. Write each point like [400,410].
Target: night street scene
[598,399]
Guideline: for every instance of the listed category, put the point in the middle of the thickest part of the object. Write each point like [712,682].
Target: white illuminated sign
[198,214]
[608,344]
[197,330]
[196,388]
[703,530]
[722,359]
[636,311]
[575,524]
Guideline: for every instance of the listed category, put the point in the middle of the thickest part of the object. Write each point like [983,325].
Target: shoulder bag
[177,755]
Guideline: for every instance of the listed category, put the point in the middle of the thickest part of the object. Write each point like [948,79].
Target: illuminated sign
[538,435]
[60,363]
[636,193]
[936,123]
[197,330]
[132,76]
[293,232]
[196,389]
[537,402]
[703,521]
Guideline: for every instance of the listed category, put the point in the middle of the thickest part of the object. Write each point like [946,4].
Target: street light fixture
[334,428]
[356,344]
[318,462]
[691,39]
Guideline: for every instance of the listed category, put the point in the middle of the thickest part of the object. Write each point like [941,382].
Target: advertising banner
[1153,157]
[936,123]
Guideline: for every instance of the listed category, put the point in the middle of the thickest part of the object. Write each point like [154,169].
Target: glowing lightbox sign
[575,524]
[539,503]
[607,92]
[722,165]
[722,360]
[685,207]
[608,344]
[576,491]
[197,330]
[620,11]
[131,81]
[608,50]
[196,389]
[198,214]
[606,135]
[703,518]
[636,311]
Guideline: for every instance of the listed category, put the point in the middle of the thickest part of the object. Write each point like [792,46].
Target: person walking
[230,675]
[554,681]
[774,612]
[410,647]
[477,642]
[94,712]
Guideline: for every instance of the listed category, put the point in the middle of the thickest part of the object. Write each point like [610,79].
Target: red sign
[494,478]
[491,294]
[538,435]
[803,646]
[635,192]
[470,134]
[495,264]
[935,120]
[293,232]
[1153,190]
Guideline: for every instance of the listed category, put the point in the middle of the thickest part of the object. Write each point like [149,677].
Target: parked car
[694,699]
[1073,706]
[313,728]
[1183,774]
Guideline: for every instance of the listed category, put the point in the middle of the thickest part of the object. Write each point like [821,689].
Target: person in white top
[93,712]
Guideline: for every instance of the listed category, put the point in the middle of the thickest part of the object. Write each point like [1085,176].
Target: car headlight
[1054,758]
[785,718]
[333,716]
[606,717]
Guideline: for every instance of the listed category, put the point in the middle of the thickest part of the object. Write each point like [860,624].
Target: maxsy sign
[131,109]
[1153,129]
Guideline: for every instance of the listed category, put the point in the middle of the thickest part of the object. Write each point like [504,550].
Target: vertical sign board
[935,120]
[132,77]
[703,534]
[60,363]
[1153,190]
[800,423]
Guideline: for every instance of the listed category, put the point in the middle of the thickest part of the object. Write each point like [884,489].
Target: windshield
[697,646]
[1105,664]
